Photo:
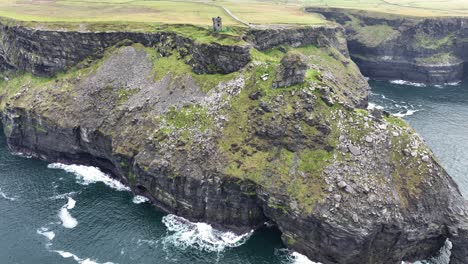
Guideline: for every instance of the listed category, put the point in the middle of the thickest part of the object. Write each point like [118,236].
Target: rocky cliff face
[342,184]
[392,47]
[46,53]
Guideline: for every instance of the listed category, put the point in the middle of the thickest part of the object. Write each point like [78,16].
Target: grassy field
[199,12]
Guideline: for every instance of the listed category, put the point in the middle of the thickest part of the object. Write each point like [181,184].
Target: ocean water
[438,114]
[53,213]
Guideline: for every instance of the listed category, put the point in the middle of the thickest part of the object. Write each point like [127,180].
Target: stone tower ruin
[217,24]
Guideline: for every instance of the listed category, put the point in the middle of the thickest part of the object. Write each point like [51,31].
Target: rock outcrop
[391,47]
[46,53]
[292,70]
[342,184]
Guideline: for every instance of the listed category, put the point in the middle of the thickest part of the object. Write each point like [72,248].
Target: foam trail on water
[408,113]
[66,254]
[138,199]
[87,175]
[453,83]
[62,196]
[6,197]
[202,236]
[408,83]
[45,232]
[68,221]
[374,106]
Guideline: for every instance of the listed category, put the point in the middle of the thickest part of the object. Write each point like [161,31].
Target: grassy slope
[199,12]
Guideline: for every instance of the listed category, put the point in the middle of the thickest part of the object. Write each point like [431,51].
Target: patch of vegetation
[431,42]
[206,34]
[441,58]
[407,173]
[125,94]
[177,67]
[396,121]
[270,164]
[373,35]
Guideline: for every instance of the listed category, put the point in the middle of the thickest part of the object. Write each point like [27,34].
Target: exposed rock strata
[45,52]
[391,47]
[336,180]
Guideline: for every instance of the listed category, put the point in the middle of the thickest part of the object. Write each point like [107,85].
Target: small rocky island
[267,124]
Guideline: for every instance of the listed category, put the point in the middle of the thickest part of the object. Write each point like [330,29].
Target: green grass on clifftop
[141,15]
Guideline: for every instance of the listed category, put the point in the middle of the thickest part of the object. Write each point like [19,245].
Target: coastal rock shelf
[236,131]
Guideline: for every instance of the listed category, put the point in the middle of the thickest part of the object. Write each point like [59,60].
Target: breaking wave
[290,257]
[68,221]
[408,83]
[67,255]
[87,175]
[298,258]
[44,231]
[407,113]
[138,199]
[184,234]
[62,196]
[6,197]
[372,106]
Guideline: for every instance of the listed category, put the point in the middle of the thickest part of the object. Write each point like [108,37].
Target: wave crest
[87,175]
[202,236]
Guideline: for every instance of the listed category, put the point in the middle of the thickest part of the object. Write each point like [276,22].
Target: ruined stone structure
[217,24]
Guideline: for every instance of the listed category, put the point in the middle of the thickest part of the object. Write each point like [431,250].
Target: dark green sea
[75,214]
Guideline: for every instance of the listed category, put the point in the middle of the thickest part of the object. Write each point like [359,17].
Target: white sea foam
[202,236]
[23,155]
[62,196]
[453,83]
[290,257]
[68,221]
[138,199]
[45,232]
[408,83]
[407,113]
[298,258]
[372,106]
[71,203]
[66,254]
[4,196]
[87,175]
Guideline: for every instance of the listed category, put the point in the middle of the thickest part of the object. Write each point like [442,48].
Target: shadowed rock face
[291,71]
[391,47]
[343,185]
[48,52]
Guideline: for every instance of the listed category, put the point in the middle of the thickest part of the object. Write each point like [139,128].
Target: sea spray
[138,199]
[184,234]
[291,257]
[408,83]
[87,175]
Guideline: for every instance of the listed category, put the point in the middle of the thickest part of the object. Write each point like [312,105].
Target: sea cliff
[394,47]
[269,125]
